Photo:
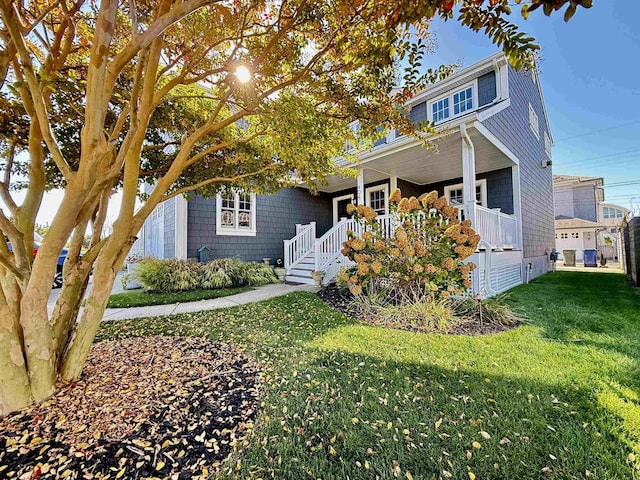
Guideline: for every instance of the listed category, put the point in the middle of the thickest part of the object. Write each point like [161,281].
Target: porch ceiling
[413,162]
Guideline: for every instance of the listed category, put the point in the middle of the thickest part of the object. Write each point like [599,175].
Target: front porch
[467,165]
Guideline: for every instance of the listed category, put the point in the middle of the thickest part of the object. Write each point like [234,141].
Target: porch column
[360,200]
[468,174]
[393,184]
[517,208]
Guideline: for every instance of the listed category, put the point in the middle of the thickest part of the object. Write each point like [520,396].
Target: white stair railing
[327,247]
[299,246]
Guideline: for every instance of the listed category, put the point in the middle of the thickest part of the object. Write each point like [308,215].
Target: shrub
[490,311]
[414,312]
[423,251]
[163,276]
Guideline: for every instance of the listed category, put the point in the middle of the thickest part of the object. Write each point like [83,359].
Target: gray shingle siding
[511,126]
[486,88]
[276,218]
[563,201]
[499,188]
[418,112]
[170,228]
[584,202]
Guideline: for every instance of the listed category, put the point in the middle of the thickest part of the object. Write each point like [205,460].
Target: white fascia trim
[181,211]
[469,71]
[484,131]
[496,108]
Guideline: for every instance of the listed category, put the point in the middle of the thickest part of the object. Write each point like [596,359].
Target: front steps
[301,273]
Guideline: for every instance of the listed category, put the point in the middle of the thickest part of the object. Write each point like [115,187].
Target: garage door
[570,243]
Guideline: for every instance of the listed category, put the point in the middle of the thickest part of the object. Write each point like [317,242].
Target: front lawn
[555,398]
[140,298]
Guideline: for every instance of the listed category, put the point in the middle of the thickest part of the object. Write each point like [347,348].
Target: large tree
[188,95]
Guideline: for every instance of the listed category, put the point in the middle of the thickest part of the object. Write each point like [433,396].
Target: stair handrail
[299,246]
[331,242]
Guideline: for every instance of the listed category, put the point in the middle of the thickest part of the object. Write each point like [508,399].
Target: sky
[590,77]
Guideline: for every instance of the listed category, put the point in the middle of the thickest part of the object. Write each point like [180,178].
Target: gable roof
[566,223]
[576,179]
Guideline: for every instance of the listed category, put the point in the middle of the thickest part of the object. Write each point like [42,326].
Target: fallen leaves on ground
[169,407]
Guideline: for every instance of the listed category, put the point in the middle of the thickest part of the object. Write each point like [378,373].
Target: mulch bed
[340,300]
[167,407]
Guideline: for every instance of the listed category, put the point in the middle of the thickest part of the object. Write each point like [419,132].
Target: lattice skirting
[503,277]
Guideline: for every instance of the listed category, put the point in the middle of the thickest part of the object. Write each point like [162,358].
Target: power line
[597,158]
[604,164]
[598,131]
[622,184]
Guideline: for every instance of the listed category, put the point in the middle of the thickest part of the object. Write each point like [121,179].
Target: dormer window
[454,104]
[440,110]
[462,101]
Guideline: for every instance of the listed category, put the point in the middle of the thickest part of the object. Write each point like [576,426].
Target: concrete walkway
[611,267]
[258,294]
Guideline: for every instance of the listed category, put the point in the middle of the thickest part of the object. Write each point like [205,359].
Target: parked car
[57,280]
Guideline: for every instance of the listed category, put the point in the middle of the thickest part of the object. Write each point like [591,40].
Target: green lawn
[140,298]
[557,397]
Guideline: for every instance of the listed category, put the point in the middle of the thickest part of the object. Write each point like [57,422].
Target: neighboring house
[611,217]
[492,159]
[583,221]
[576,201]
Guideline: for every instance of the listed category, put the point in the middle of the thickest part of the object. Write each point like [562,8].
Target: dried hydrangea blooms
[427,247]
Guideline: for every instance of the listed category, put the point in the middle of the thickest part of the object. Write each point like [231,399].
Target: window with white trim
[575,235]
[533,121]
[236,214]
[158,212]
[454,104]
[376,198]
[610,212]
[455,193]
[564,235]
[462,101]
[547,144]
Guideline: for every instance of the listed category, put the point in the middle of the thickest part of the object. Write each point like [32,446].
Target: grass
[140,298]
[556,398]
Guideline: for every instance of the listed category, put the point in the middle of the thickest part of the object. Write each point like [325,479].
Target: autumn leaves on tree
[104,95]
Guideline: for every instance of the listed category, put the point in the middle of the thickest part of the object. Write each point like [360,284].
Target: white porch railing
[499,229]
[299,246]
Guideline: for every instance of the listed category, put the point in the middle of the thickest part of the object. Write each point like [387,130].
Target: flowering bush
[420,251]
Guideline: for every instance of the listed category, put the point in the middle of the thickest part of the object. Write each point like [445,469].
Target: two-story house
[583,220]
[492,159]
[576,201]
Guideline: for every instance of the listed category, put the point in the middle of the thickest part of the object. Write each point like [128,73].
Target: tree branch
[209,181]
[9,16]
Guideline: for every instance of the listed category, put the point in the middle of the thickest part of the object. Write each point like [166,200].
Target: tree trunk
[82,338]
[15,392]
[67,305]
